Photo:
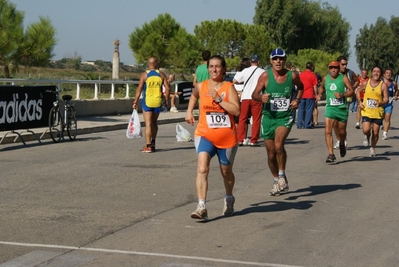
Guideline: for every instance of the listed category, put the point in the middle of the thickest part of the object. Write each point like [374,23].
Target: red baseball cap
[333,64]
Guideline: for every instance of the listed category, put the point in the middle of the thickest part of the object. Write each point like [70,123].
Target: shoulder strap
[249,78]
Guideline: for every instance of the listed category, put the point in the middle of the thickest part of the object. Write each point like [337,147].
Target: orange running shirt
[215,124]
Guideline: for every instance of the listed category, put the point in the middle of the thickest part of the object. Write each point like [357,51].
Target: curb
[41,134]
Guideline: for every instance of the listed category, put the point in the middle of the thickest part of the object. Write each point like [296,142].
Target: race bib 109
[218,120]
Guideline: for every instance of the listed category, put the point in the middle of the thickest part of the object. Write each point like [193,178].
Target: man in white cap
[274,90]
[249,77]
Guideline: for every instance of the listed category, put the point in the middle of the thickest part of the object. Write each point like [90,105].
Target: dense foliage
[34,47]
[377,45]
[168,41]
[303,24]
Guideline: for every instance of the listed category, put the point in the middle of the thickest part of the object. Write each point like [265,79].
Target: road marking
[127,252]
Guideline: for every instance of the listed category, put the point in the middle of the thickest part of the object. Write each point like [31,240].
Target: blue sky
[89,27]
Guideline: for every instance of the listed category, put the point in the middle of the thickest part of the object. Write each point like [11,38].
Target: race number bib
[336,101]
[279,104]
[371,103]
[218,120]
[390,100]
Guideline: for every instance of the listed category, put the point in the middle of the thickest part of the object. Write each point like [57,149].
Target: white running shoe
[275,191]
[384,136]
[283,184]
[336,146]
[372,152]
[246,142]
[366,141]
[200,213]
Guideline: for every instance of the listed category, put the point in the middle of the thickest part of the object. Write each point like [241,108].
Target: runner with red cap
[337,111]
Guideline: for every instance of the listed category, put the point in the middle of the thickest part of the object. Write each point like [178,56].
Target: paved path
[100,202]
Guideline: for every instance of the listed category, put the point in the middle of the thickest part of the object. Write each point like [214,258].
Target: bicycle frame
[59,121]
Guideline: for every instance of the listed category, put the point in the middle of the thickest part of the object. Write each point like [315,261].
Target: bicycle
[60,121]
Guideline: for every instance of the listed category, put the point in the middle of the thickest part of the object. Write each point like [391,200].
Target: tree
[234,40]
[320,59]
[377,44]
[182,50]
[280,18]
[166,40]
[11,34]
[32,48]
[221,37]
[302,24]
[258,41]
[38,45]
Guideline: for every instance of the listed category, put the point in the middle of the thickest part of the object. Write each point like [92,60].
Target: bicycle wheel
[72,126]
[55,124]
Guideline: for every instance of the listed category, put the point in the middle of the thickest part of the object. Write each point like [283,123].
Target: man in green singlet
[338,89]
[274,89]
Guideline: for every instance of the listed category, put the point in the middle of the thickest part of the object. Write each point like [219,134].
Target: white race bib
[371,103]
[279,104]
[218,120]
[336,101]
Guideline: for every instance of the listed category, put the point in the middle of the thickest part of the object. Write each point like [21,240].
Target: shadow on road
[267,206]
[274,206]
[320,189]
[296,141]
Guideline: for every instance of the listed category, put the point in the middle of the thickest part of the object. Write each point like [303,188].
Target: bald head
[152,63]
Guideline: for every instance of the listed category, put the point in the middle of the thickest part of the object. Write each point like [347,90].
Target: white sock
[228,196]
[202,202]
[281,173]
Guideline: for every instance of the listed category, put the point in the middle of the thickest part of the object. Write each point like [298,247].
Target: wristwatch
[219,100]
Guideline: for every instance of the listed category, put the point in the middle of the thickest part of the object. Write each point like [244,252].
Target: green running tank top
[278,105]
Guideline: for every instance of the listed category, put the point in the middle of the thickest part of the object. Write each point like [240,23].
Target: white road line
[127,252]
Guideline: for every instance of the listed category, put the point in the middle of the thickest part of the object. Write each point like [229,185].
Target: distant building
[88,63]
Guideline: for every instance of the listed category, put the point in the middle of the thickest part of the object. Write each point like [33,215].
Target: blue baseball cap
[278,52]
[255,58]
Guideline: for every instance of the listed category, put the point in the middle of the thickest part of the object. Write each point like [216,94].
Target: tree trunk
[6,71]
[182,77]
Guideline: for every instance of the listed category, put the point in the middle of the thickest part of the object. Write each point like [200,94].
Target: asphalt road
[100,202]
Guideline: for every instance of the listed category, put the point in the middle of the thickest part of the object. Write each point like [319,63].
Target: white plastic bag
[182,135]
[134,127]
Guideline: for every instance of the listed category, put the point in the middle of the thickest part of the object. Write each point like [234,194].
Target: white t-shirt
[243,76]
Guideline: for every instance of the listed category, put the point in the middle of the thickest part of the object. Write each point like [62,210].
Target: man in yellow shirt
[372,107]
